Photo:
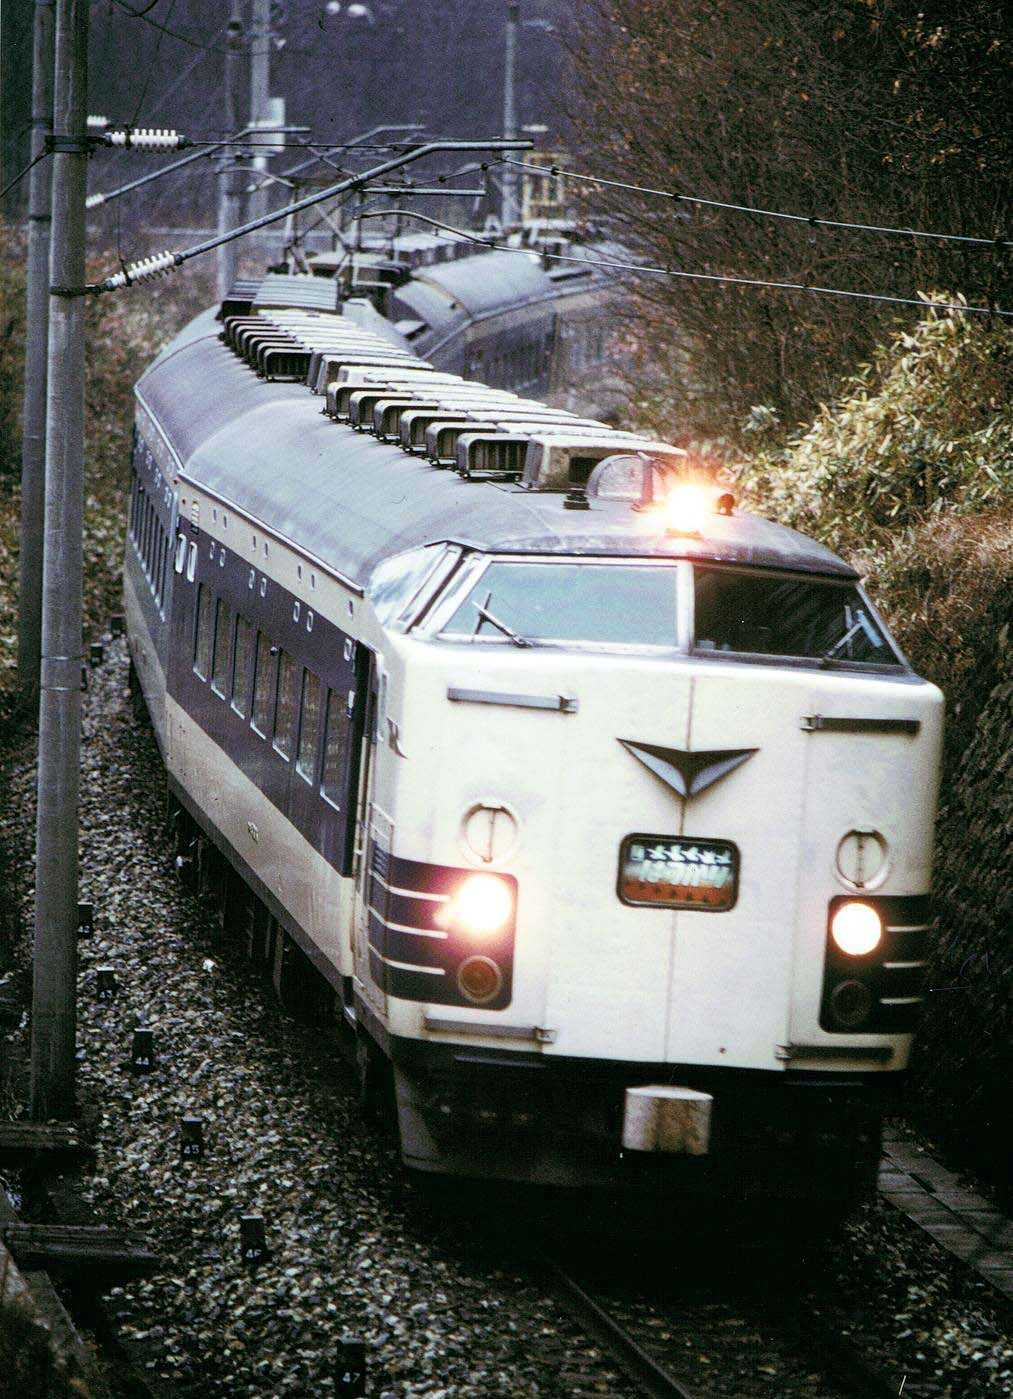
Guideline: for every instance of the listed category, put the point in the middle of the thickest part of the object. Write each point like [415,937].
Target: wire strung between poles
[728,279]
[811,220]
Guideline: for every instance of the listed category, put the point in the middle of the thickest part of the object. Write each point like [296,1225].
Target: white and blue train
[595,812]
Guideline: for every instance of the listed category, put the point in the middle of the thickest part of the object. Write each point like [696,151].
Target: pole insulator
[143,271]
[146,138]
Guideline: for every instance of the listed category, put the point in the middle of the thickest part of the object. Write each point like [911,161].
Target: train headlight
[857,929]
[687,508]
[482,905]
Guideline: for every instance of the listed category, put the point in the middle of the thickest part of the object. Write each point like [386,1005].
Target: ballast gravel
[444,1309]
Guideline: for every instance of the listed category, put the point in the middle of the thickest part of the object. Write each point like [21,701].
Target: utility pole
[260,88]
[33,443]
[229,182]
[508,207]
[56,871]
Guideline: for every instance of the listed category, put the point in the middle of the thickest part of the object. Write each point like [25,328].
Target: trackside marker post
[105,984]
[142,1052]
[191,1146]
[350,1368]
[252,1240]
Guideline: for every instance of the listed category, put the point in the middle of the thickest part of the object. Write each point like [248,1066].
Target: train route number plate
[658,871]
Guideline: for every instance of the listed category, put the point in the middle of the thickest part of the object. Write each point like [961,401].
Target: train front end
[648,902]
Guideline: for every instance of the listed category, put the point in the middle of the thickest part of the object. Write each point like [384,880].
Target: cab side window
[335,748]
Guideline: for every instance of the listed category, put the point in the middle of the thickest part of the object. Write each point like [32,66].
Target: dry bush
[884,112]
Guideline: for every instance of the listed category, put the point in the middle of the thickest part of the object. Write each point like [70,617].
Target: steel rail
[654,1380]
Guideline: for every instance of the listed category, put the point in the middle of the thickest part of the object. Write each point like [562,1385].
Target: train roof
[350,501]
[449,292]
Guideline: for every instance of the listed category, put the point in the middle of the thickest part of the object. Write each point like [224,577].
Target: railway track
[703,1344]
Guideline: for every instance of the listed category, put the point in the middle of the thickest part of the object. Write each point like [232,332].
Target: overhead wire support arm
[99,198]
[165,262]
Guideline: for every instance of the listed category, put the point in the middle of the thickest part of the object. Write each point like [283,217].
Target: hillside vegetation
[910,474]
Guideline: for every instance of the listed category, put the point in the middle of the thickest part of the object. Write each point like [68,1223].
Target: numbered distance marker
[105,984]
[85,920]
[350,1368]
[191,1146]
[142,1052]
[252,1239]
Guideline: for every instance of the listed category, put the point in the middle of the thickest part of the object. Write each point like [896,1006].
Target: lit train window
[615,604]
[286,713]
[242,670]
[335,744]
[778,615]
[204,634]
[264,686]
[309,726]
[221,664]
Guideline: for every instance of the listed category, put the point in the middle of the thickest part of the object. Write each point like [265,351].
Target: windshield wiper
[861,623]
[487,616]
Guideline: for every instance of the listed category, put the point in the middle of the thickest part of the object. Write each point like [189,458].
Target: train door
[373,834]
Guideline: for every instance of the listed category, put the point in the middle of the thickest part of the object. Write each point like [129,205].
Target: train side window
[221,665]
[309,727]
[335,747]
[149,521]
[286,712]
[159,561]
[242,673]
[264,686]
[191,563]
[204,634]
[180,553]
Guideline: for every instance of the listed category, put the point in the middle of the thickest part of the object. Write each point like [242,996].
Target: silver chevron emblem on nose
[688,773]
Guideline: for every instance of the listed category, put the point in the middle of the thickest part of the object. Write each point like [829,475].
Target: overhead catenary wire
[729,279]
[811,220]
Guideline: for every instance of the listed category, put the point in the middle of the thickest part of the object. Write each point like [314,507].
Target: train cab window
[401,586]
[309,726]
[264,686]
[792,617]
[286,712]
[335,748]
[221,664]
[204,633]
[242,668]
[611,604]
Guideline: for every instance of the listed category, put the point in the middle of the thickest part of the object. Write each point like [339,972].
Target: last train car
[597,811]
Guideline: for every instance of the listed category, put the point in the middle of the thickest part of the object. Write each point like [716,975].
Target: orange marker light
[686,508]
